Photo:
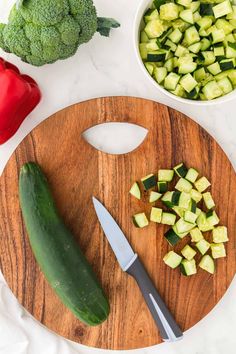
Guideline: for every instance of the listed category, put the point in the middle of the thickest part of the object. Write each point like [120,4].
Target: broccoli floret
[16,40]
[15,17]
[2,41]
[44,12]
[69,30]
[44,31]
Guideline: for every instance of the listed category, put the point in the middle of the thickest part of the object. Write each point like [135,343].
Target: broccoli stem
[105,25]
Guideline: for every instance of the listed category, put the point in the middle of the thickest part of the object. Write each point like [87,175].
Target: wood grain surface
[76,171]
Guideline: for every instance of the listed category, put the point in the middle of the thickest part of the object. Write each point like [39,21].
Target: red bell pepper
[19,95]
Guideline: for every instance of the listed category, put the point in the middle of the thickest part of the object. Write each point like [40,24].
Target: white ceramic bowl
[144,5]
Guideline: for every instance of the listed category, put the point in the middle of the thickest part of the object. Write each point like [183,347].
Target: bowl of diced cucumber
[188,48]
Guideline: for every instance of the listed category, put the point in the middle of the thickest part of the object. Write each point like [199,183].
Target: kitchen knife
[131,264]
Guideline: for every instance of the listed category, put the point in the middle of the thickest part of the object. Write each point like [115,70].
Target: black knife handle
[168,327]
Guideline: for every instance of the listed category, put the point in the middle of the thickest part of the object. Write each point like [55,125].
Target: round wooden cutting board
[76,171]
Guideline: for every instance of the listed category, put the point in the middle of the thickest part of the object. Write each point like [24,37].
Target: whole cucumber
[56,251]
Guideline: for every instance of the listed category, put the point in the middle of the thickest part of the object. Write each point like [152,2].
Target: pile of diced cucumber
[190,210]
[189,47]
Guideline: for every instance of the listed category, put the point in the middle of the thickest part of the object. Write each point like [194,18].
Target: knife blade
[121,247]
[130,263]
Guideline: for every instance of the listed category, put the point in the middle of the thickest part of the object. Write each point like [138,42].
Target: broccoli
[43,31]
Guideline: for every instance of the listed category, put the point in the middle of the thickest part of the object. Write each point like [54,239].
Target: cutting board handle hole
[115,138]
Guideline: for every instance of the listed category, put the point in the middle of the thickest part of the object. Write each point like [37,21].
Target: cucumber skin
[56,251]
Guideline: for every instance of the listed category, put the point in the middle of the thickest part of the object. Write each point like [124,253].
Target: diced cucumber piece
[170,45]
[167,199]
[156,215]
[203,246]
[140,220]
[180,234]
[192,175]
[191,35]
[172,259]
[157,56]
[218,35]
[169,65]
[151,15]
[154,28]
[179,91]
[194,6]
[199,74]
[181,51]
[202,184]
[169,12]
[168,218]
[207,264]
[150,68]
[232,76]
[162,187]
[172,237]
[206,9]
[160,74]
[230,50]
[190,217]
[218,250]
[143,50]
[184,200]
[194,93]
[203,223]
[187,267]
[192,206]
[205,44]
[214,68]
[180,24]
[196,16]
[184,226]
[183,185]
[195,48]
[175,36]
[149,181]
[135,191]
[187,16]
[143,37]
[179,211]
[225,85]
[154,196]
[188,252]
[212,90]
[196,235]
[212,218]
[171,81]
[206,57]
[220,234]
[224,25]
[208,200]
[181,170]
[204,23]
[152,45]
[232,15]
[219,51]
[195,195]
[198,211]
[227,64]
[187,67]
[222,9]
[185,3]
[165,175]
[188,82]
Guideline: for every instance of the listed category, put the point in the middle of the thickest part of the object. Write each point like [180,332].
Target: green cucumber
[57,252]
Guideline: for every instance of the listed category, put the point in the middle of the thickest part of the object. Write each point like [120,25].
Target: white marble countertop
[106,67]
